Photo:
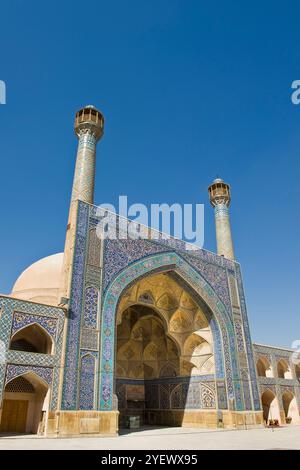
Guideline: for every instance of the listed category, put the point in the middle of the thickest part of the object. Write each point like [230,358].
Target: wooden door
[14,416]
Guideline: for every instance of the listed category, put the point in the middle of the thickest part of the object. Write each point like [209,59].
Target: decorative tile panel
[20,320]
[89,339]
[248,341]
[18,313]
[90,307]
[94,251]
[87,379]
[13,370]
[70,384]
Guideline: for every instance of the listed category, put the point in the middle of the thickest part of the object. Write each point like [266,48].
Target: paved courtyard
[168,438]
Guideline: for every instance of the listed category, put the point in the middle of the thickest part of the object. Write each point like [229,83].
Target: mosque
[117,328]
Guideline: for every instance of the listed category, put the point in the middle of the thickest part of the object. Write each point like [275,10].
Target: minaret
[88,127]
[89,124]
[219,195]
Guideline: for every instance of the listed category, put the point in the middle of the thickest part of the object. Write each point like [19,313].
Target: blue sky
[189,90]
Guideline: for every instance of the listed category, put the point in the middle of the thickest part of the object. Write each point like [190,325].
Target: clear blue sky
[189,89]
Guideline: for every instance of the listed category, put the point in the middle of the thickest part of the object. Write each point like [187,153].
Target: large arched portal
[24,405]
[164,353]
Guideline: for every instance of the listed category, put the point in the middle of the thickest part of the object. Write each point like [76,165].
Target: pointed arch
[32,338]
[25,403]
[270,406]
[86,383]
[283,369]
[219,318]
[264,368]
[30,375]
[290,407]
[177,398]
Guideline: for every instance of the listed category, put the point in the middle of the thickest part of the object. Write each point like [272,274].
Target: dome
[40,282]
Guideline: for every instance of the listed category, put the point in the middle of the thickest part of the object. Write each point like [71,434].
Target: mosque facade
[117,328]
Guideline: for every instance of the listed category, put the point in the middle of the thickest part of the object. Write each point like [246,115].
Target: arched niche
[32,338]
[290,407]
[270,406]
[25,405]
[264,368]
[283,370]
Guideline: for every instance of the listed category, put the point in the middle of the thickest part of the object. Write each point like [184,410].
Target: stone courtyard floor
[166,439]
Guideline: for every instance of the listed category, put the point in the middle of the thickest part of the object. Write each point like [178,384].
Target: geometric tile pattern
[15,370]
[87,378]
[16,314]
[89,339]
[20,320]
[70,383]
[90,307]
[118,254]
[24,357]
[248,341]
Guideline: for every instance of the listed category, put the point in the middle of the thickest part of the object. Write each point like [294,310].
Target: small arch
[198,351]
[20,385]
[291,411]
[25,404]
[270,406]
[283,370]
[32,338]
[264,368]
